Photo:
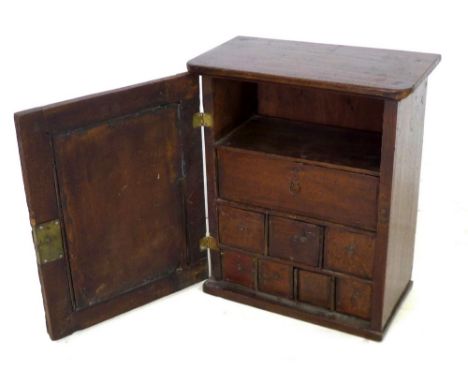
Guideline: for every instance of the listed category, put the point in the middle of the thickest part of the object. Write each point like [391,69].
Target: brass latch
[48,241]
[208,242]
[202,119]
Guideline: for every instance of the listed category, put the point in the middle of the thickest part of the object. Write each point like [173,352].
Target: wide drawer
[284,184]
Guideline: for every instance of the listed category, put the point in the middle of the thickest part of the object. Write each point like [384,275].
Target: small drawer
[349,252]
[314,288]
[353,297]
[295,240]
[275,278]
[239,268]
[282,184]
[242,229]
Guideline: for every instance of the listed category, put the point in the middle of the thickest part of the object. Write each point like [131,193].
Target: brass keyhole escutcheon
[294,186]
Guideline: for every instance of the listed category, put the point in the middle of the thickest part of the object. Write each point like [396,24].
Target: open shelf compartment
[342,148]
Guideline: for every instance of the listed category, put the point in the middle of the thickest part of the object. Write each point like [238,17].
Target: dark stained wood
[271,182]
[230,103]
[241,229]
[275,278]
[315,288]
[312,182]
[384,206]
[239,268]
[192,180]
[208,89]
[288,215]
[295,309]
[349,252]
[376,72]
[104,153]
[343,178]
[295,240]
[114,186]
[404,198]
[62,320]
[320,106]
[341,148]
[353,297]
[38,174]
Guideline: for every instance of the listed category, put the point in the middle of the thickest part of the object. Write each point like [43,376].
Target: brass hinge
[48,241]
[208,242]
[202,119]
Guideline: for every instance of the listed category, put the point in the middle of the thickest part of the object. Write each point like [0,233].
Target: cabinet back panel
[320,106]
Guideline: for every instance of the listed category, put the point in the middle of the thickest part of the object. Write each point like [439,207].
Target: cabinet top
[377,72]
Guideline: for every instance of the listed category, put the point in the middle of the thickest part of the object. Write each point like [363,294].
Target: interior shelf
[344,148]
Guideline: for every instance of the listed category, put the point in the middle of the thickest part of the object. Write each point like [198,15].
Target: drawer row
[347,295]
[331,248]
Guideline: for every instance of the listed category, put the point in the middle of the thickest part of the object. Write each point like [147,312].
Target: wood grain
[239,268]
[96,160]
[376,72]
[315,289]
[353,297]
[349,252]
[242,229]
[295,240]
[275,278]
[404,198]
[114,187]
[341,148]
[257,179]
[320,106]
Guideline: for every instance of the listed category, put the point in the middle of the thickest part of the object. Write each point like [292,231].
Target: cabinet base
[299,310]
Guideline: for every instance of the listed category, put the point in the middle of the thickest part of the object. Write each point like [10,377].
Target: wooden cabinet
[312,157]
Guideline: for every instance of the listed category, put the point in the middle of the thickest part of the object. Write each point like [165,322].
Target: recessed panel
[119,188]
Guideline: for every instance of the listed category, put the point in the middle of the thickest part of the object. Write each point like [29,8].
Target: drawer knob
[294,187]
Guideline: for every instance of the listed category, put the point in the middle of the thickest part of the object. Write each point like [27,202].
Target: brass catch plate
[202,119]
[48,241]
[208,242]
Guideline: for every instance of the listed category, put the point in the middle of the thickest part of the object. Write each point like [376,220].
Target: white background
[51,51]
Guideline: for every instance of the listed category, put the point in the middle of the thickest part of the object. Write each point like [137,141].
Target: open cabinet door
[114,188]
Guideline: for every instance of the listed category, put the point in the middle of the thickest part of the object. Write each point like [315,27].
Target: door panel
[122,172]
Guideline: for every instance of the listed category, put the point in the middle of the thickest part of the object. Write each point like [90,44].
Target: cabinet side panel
[404,198]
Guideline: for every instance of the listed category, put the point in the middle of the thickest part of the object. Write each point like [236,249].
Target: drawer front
[314,288]
[295,240]
[275,278]
[239,268]
[349,252]
[353,297]
[329,194]
[241,229]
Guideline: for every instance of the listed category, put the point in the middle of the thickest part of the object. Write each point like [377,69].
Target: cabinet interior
[305,124]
